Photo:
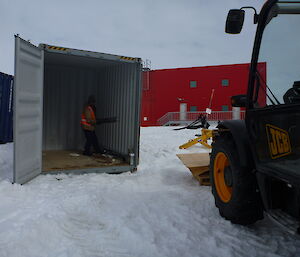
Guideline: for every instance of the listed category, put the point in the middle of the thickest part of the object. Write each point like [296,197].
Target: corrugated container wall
[69,80]
[6,108]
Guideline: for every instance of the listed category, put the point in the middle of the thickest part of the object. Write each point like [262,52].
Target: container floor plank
[74,160]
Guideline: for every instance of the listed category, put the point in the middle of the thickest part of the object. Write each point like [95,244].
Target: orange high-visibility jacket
[88,119]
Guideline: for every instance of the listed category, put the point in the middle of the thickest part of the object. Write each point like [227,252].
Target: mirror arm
[255,20]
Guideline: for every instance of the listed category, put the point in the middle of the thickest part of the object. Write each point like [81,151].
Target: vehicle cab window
[277,78]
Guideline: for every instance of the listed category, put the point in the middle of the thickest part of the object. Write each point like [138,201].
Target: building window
[225,108]
[225,82]
[193,84]
[193,108]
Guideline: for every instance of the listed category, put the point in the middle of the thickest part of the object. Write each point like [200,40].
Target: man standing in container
[88,123]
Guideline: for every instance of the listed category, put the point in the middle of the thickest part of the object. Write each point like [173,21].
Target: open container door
[28,111]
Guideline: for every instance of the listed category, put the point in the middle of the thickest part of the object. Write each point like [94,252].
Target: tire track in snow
[89,228]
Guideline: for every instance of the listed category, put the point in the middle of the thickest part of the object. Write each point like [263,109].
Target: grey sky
[177,33]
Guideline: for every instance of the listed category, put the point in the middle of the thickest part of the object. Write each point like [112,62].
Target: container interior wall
[69,80]
[119,97]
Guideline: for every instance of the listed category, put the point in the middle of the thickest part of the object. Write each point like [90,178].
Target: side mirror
[238,100]
[235,21]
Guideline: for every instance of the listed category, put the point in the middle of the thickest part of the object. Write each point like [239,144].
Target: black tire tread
[245,206]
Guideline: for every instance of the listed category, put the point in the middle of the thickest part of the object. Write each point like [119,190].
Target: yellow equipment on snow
[206,134]
[198,164]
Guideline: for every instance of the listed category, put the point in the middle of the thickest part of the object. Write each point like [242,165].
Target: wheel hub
[228,176]
[223,177]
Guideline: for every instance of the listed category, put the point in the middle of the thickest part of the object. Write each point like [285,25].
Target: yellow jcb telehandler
[255,163]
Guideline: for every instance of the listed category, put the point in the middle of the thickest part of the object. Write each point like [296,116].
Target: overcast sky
[173,33]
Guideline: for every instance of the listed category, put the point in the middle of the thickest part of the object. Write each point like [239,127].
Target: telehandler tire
[234,187]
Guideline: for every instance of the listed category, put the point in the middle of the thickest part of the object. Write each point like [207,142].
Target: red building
[169,90]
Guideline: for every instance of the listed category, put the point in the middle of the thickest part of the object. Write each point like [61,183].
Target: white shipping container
[52,85]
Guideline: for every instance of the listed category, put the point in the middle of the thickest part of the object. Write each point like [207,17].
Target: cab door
[28,111]
[273,117]
[274,135]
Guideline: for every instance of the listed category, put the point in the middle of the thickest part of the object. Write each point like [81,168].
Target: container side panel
[137,119]
[2,105]
[10,111]
[6,110]
[28,111]
[120,97]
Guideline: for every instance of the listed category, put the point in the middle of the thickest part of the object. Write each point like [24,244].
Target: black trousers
[91,141]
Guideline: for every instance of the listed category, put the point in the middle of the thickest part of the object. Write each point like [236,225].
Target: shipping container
[6,110]
[52,85]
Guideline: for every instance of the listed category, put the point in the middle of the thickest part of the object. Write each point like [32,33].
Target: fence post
[183,108]
[236,113]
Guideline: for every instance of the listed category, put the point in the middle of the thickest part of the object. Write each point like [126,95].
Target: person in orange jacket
[88,124]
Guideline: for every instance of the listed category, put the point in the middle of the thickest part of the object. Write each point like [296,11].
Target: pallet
[198,164]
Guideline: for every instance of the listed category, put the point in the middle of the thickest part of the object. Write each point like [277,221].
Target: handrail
[179,117]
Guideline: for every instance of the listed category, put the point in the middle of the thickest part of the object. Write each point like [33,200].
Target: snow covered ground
[158,211]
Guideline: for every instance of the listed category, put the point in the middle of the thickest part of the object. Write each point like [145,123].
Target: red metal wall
[162,88]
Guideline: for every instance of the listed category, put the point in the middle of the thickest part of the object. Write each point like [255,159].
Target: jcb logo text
[279,141]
